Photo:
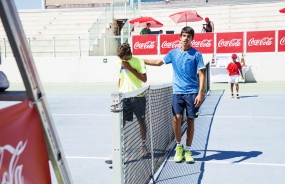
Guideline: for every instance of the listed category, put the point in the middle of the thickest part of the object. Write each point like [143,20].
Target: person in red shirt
[235,70]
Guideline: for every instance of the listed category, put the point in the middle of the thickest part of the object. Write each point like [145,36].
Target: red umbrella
[186,16]
[142,21]
[282,10]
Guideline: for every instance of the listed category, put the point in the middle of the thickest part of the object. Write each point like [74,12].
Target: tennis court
[236,141]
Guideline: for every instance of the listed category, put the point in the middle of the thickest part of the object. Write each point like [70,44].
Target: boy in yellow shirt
[132,72]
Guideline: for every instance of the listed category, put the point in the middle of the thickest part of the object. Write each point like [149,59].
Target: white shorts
[233,79]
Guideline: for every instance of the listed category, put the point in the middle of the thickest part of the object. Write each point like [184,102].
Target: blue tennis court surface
[237,141]
[241,141]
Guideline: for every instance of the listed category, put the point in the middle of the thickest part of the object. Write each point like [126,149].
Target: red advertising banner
[204,42]
[230,42]
[169,42]
[23,153]
[144,45]
[260,41]
[281,40]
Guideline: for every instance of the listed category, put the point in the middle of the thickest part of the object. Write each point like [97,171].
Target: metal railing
[50,47]
[94,33]
[127,28]
[101,22]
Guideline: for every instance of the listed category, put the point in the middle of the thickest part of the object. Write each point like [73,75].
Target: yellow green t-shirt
[128,81]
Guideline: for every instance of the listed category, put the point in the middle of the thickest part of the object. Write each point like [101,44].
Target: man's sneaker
[179,154]
[188,157]
[144,151]
[232,95]
[238,96]
[109,160]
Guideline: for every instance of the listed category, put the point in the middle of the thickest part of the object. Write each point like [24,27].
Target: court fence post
[117,132]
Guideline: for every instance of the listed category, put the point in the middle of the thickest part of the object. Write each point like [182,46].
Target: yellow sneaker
[188,157]
[179,154]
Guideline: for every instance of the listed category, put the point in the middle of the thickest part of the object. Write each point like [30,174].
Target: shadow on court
[251,96]
[225,155]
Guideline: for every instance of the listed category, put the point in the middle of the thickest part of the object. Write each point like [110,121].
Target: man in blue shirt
[187,91]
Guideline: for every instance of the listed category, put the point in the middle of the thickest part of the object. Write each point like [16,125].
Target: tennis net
[142,132]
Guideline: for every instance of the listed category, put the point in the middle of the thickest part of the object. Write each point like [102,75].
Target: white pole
[139,8]
[53,43]
[276,42]
[105,46]
[112,11]
[126,9]
[43,4]
[158,44]
[122,39]
[5,49]
[79,47]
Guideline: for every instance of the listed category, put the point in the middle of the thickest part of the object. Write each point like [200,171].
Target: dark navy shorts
[185,101]
[134,105]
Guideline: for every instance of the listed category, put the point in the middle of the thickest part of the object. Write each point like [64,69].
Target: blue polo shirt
[185,67]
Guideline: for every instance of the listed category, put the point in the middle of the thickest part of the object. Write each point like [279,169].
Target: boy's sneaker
[238,96]
[232,95]
[188,157]
[179,154]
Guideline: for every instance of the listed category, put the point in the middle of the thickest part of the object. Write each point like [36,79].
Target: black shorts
[134,105]
[185,101]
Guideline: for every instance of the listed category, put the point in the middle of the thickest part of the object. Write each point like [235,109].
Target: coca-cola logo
[14,171]
[282,41]
[266,41]
[229,43]
[203,43]
[146,45]
[169,45]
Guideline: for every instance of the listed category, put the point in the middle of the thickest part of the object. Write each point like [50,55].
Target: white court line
[240,163]
[95,158]
[81,114]
[276,117]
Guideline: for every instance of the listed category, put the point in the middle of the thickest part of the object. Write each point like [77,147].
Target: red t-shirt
[233,68]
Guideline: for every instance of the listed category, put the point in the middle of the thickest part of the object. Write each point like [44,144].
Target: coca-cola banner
[23,153]
[230,42]
[168,42]
[281,40]
[144,45]
[260,41]
[203,42]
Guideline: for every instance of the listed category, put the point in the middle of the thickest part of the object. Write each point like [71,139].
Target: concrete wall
[265,67]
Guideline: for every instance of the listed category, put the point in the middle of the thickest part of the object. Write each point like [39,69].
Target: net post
[118,175]
[151,134]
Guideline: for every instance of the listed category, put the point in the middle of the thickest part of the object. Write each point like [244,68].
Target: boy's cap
[234,56]
[206,19]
